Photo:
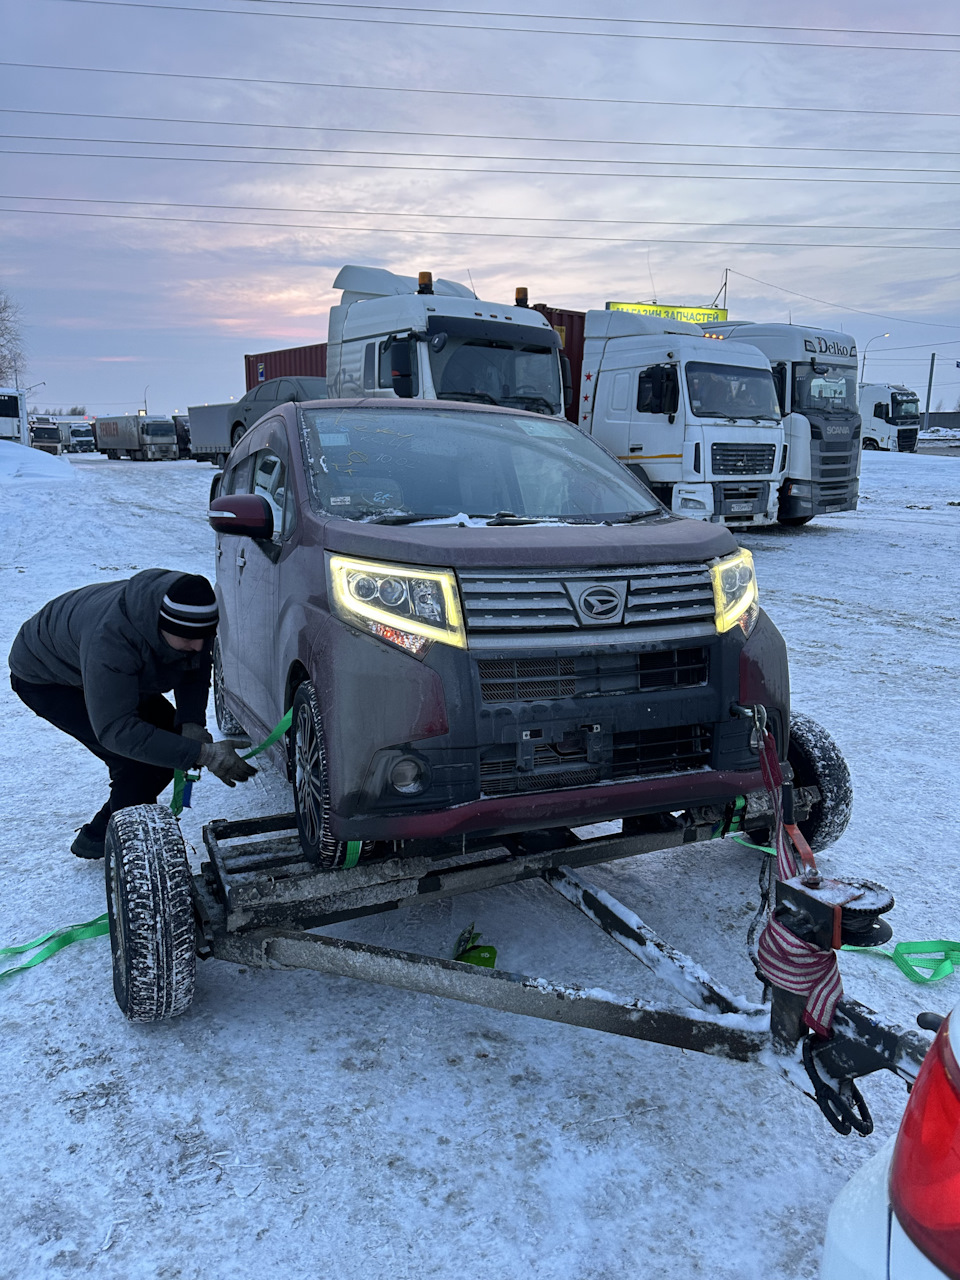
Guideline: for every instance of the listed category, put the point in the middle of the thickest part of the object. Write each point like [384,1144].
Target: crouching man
[95,662]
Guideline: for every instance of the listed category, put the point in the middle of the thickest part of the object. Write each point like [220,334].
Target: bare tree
[12,361]
[76,410]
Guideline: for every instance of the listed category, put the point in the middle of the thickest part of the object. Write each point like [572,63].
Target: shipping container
[292,362]
[569,325]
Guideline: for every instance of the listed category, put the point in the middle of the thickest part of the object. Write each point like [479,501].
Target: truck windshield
[429,464]
[728,391]
[81,433]
[904,408]
[490,371]
[159,430]
[824,388]
[46,433]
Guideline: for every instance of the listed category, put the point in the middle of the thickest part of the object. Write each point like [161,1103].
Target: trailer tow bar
[256,900]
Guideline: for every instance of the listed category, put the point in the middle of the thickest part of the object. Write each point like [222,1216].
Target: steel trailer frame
[256,899]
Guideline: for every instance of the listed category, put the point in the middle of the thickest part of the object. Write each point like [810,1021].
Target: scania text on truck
[13,415]
[891,417]
[815,372]
[699,425]
[142,438]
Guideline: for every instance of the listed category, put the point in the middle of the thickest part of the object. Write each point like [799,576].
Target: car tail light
[925,1172]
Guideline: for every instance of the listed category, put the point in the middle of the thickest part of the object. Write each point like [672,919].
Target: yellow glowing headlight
[735,591]
[398,597]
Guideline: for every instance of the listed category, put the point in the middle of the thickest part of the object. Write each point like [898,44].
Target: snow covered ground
[301,1126]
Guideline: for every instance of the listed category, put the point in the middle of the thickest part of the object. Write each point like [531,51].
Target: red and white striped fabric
[786,960]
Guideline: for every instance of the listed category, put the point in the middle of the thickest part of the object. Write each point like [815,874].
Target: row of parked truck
[736,423]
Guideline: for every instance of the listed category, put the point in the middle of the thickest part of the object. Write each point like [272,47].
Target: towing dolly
[256,900]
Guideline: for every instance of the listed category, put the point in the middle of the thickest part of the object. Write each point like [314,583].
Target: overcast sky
[586,159]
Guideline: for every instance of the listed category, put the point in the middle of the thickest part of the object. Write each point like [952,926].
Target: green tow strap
[938,955]
[50,943]
[183,779]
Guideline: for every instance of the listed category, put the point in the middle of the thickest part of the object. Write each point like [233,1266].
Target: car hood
[667,540]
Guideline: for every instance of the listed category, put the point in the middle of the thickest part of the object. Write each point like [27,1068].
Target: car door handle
[241,559]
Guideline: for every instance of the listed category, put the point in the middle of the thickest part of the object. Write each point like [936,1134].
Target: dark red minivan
[483,624]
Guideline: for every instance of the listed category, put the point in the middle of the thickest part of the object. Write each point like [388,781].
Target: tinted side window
[287,391]
[658,389]
[237,478]
[269,482]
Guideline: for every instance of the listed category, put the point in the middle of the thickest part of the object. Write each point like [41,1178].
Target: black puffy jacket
[106,640]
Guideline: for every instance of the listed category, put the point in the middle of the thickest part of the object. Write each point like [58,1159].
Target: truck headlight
[735,592]
[405,605]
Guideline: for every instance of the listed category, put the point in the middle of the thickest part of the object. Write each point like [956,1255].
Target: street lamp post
[863,362]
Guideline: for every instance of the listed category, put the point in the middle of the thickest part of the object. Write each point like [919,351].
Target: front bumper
[519,738]
[799,498]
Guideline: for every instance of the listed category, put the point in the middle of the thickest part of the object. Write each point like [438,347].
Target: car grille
[524,600]
[743,459]
[642,753]
[538,679]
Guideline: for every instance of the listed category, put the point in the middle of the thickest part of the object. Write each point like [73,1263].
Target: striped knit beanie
[189,608]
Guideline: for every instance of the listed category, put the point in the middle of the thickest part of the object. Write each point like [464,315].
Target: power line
[484,93]
[453,155]
[485,217]
[446,168]
[488,137]
[495,235]
[636,22]
[473,27]
[840,306]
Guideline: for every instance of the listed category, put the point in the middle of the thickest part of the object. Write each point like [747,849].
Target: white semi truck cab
[891,417]
[394,335]
[815,372]
[13,415]
[696,420]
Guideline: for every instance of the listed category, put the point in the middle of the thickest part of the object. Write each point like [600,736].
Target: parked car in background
[267,396]
[898,1218]
[483,622]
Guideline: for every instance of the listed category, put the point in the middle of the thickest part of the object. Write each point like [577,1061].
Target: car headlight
[735,592]
[405,605]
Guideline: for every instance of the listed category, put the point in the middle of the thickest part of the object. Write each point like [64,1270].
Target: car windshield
[489,371]
[401,466]
[728,391]
[825,388]
[904,408]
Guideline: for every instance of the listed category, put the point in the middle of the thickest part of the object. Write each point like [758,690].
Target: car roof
[415,406]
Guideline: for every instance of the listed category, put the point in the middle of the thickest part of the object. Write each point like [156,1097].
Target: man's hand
[197,732]
[221,759]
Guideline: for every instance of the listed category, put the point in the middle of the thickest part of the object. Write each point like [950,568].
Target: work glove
[197,732]
[221,759]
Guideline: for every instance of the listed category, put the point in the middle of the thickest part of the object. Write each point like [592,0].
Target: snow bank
[17,462]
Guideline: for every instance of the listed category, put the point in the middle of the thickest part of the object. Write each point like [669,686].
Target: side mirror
[401,369]
[245,514]
[567,376]
[215,484]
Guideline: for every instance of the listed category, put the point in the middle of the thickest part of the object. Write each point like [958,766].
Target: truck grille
[542,679]
[525,601]
[743,459]
[907,439]
[642,753]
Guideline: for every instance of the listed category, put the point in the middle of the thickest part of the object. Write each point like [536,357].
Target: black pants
[131,781]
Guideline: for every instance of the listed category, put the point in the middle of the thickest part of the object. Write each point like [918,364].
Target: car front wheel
[311,790]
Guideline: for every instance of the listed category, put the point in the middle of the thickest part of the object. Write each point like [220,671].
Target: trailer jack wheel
[150,907]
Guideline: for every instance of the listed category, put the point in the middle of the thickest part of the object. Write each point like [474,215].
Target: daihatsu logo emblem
[600,604]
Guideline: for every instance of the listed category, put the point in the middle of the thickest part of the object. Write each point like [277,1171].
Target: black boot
[88,844]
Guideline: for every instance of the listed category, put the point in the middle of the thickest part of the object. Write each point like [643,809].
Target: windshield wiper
[404,517]
[629,517]
[478,397]
[504,517]
[529,401]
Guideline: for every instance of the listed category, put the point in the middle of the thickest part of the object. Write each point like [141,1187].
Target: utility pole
[926,412]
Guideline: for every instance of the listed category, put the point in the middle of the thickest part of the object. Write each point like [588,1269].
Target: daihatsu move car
[483,623]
